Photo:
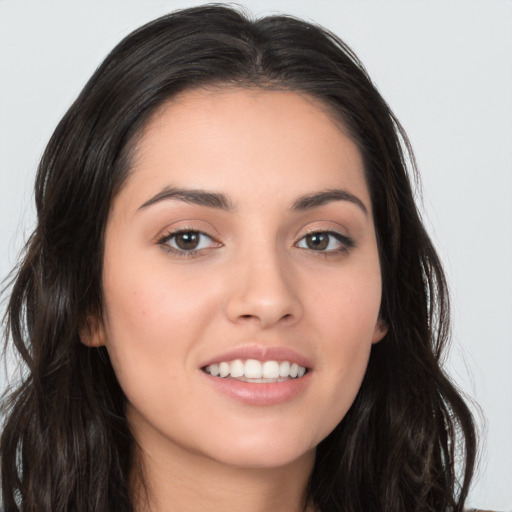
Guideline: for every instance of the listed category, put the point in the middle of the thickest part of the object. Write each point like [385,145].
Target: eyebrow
[315,200]
[222,202]
[192,196]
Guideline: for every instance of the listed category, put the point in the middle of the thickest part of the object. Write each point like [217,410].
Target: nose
[263,291]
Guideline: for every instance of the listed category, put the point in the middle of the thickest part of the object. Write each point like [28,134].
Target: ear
[93,332]
[381,329]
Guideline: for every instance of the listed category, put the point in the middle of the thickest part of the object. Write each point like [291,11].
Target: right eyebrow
[192,196]
[310,201]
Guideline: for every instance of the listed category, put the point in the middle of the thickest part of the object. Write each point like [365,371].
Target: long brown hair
[66,445]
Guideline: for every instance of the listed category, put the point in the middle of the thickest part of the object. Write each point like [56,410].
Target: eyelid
[329,227]
[172,234]
[345,241]
[163,239]
[184,225]
[323,226]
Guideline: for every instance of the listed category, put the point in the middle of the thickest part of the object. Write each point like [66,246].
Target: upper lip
[260,353]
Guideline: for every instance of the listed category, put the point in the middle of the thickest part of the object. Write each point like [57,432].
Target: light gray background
[444,66]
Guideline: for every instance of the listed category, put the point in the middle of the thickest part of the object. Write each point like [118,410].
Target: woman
[229,301]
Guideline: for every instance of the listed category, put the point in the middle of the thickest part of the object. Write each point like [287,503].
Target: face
[241,278]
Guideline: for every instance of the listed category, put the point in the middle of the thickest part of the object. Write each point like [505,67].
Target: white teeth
[256,371]
[237,368]
[284,369]
[270,370]
[253,369]
[224,369]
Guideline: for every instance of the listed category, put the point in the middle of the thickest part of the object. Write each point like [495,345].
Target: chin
[262,451]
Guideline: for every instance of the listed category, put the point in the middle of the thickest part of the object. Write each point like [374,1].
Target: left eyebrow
[315,200]
[192,196]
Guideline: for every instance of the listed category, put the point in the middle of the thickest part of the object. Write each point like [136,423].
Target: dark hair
[66,445]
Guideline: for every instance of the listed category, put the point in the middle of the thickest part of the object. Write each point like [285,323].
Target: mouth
[259,376]
[255,371]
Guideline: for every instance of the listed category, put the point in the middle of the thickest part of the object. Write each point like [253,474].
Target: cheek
[346,306]
[154,321]
[346,317]
[153,296]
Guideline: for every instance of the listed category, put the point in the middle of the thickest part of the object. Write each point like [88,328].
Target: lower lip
[259,393]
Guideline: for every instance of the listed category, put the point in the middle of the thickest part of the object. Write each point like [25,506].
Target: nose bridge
[263,288]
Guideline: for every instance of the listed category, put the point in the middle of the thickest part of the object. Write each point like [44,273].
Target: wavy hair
[66,445]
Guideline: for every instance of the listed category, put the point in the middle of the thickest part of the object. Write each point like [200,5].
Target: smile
[252,370]
[255,382]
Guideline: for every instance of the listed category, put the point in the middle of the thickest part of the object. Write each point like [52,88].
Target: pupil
[318,241]
[187,240]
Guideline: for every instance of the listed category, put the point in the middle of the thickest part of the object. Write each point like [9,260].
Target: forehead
[226,138]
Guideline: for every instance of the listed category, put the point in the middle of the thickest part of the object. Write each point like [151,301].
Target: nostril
[264,306]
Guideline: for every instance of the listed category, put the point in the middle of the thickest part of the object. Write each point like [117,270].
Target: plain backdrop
[445,67]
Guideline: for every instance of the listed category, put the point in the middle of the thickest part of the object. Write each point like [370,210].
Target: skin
[254,281]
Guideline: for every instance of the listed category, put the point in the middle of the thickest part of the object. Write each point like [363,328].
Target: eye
[187,241]
[325,241]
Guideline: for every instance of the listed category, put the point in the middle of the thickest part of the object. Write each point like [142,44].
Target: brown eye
[183,242]
[317,241]
[325,241]
[188,240]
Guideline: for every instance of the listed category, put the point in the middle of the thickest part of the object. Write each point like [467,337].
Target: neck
[188,482]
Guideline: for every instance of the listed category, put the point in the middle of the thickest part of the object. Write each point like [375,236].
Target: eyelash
[346,242]
[164,242]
